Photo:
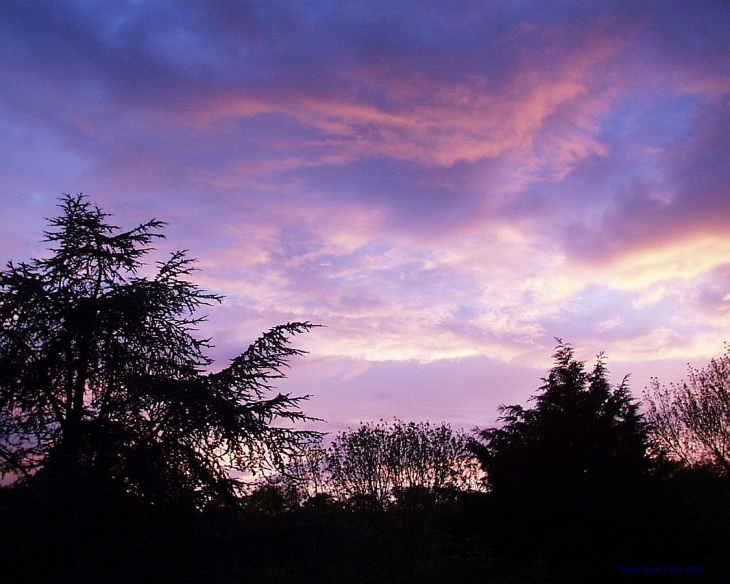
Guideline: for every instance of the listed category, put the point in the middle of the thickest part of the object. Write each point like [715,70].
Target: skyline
[446,188]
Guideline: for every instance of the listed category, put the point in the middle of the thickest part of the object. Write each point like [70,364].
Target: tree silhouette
[690,422]
[580,431]
[569,466]
[382,463]
[100,371]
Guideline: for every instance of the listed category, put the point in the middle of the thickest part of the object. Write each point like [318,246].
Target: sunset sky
[447,186]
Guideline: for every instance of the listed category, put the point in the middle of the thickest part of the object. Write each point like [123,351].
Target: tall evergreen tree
[567,474]
[580,432]
[101,373]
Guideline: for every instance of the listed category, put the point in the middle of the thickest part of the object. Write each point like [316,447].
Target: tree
[100,371]
[690,422]
[581,431]
[380,463]
[567,475]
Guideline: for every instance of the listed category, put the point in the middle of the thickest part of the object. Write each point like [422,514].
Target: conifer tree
[101,372]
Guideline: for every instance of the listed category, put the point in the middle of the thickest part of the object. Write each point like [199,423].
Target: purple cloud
[432,181]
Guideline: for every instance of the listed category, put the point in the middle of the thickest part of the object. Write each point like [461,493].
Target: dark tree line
[384,463]
[574,488]
[127,452]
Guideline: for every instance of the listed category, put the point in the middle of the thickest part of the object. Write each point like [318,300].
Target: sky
[448,187]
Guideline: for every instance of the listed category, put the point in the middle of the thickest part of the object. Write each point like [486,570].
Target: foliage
[272,498]
[580,432]
[308,471]
[379,463]
[690,422]
[100,371]
[568,477]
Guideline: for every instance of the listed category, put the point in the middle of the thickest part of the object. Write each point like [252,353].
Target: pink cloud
[446,187]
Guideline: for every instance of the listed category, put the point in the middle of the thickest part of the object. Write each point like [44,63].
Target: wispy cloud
[433,182]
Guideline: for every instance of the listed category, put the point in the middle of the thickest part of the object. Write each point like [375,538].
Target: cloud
[437,183]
